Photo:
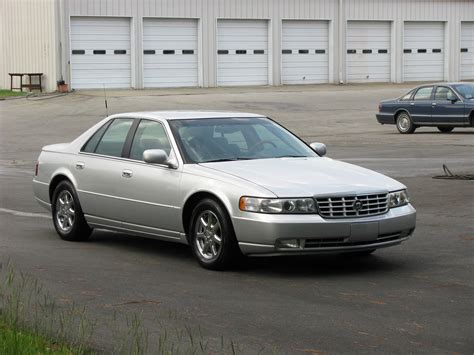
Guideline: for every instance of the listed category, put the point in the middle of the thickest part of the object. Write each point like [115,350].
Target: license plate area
[362,232]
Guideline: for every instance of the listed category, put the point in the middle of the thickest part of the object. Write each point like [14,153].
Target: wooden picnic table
[30,85]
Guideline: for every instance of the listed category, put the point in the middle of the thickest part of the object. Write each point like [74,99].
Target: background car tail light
[36,168]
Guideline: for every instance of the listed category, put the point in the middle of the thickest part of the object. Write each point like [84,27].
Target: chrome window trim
[168,132]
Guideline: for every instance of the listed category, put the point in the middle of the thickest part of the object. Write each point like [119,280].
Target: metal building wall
[208,11]
[28,40]
[452,12]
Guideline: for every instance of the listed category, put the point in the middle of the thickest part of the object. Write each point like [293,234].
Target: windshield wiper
[225,159]
[292,156]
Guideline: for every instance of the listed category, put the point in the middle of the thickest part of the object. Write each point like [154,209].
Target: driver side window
[149,135]
[443,93]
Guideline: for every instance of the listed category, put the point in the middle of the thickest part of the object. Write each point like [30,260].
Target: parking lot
[413,298]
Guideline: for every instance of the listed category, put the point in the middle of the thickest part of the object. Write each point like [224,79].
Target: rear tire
[68,218]
[212,236]
[445,129]
[404,123]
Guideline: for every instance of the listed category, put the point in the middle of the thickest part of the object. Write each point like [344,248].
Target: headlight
[274,205]
[398,198]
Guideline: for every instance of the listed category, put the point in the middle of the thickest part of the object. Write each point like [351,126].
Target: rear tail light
[36,168]
[380,107]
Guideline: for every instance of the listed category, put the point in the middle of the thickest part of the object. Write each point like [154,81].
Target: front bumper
[260,234]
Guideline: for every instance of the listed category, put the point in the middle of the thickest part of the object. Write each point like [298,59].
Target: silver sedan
[228,184]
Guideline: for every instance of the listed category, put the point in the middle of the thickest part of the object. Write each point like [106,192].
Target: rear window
[407,96]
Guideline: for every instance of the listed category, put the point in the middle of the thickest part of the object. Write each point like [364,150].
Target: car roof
[447,83]
[181,115]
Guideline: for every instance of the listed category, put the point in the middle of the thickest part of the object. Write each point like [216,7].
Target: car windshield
[227,139]
[466,90]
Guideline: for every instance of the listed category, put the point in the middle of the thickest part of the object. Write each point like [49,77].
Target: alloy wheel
[65,211]
[208,235]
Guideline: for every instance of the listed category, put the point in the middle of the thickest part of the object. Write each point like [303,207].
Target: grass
[15,341]
[7,93]
[32,322]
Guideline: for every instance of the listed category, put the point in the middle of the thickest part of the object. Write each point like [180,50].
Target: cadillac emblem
[357,205]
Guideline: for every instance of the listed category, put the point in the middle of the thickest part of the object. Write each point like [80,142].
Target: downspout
[341,42]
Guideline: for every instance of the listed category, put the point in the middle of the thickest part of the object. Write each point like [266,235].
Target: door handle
[80,165]
[412,104]
[127,173]
[433,104]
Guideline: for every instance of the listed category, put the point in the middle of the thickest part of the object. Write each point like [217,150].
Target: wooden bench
[30,85]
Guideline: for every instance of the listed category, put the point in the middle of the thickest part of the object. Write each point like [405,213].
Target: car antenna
[105,101]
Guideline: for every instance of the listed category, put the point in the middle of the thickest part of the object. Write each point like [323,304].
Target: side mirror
[453,100]
[319,148]
[158,156]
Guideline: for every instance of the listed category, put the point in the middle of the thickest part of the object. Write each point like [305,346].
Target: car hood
[304,177]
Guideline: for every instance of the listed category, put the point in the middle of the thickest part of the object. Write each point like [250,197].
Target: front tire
[404,123]
[68,218]
[212,236]
[445,129]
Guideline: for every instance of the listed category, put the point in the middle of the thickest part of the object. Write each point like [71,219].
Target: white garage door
[100,52]
[423,51]
[305,58]
[368,51]
[242,52]
[170,52]
[467,50]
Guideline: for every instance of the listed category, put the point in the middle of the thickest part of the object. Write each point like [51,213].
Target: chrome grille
[352,206]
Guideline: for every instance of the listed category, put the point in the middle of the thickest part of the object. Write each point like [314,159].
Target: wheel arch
[398,111]
[471,118]
[57,177]
[193,199]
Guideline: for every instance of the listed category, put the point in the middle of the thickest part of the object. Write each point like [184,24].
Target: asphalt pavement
[413,298]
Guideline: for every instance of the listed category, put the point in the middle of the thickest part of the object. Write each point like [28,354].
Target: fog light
[288,243]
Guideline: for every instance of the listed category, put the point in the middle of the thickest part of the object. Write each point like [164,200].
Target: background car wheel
[68,218]
[445,129]
[212,236]
[404,123]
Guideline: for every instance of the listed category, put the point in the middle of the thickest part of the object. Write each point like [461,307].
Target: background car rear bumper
[385,118]
[263,233]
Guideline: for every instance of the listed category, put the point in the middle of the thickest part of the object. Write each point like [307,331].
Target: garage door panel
[187,67]
[174,43]
[301,64]
[237,63]
[371,41]
[420,39]
[467,51]
[97,74]
[304,64]
[109,37]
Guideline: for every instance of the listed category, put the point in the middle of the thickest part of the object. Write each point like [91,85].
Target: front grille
[352,206]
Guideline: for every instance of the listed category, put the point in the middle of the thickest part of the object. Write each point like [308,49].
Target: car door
[149,193]
[97,171]
[420,105]
[447,108]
